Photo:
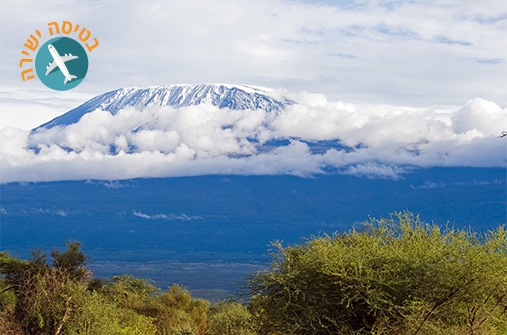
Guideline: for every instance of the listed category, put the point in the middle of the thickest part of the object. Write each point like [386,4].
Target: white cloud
[41,210]
[29,108]
[181,217]
[429,185]
[481,115]
[375,170]
[381,141]
[61,213]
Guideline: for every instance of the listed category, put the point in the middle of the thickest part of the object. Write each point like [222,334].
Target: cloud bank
[308,138]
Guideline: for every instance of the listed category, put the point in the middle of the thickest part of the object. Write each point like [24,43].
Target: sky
[407,53]
[417,75]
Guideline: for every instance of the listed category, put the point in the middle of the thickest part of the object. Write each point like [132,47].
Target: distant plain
[208,233]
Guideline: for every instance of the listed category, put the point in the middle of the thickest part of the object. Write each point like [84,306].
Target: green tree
[229,318]
[36,286]
[396,276]
[174,311]
[96,315]
[58,300]
[132,293]
[179,314]
[72,261]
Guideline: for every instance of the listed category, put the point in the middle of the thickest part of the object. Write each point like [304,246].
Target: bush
[57,299]
[130,292]
[39,306]
[92,314]
[174,312]
[7,296]
[396,276]
[178,313]
[229,318]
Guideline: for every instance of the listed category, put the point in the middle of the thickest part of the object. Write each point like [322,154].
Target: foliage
[72,261]
[397,276]
[99,316]
[7,295]
[178,313]
[57,299]
[229,318]
[131,293]
[41,305]
[8,325]
[173,311]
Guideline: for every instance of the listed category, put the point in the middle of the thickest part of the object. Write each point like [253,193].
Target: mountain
[226,188]
[221,95]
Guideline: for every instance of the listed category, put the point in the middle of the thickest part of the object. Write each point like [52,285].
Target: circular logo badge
[61,63]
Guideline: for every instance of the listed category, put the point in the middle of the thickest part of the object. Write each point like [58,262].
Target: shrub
[174,312]
[57,299]
[39,306]
[229,318]
[93,314]
[178,313]
[129,292]
[396,276]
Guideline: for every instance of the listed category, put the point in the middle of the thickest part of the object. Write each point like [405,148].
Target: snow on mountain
[236,97]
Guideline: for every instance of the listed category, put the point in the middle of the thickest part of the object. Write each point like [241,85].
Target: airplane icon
[60,62]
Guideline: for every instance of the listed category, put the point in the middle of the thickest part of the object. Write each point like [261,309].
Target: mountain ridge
[177,95]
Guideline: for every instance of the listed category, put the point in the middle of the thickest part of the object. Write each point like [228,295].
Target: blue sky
[407,53]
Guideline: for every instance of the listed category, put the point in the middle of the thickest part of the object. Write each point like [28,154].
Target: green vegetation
[393,276]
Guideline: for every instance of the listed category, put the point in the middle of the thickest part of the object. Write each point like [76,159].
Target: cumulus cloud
[370,141]
[479,115]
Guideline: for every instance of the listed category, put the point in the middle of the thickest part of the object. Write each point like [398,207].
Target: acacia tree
[40,304]
[396,276]
[58,299]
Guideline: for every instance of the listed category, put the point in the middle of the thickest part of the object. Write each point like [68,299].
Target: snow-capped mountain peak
[181,95]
